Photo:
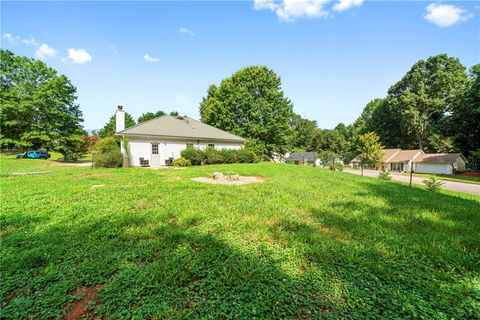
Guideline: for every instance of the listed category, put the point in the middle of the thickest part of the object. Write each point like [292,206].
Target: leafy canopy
[152,115]
[109,129]
[427,92]
[251,104]
[369,148]
[38,106]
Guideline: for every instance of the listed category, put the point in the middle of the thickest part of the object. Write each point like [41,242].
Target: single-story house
[401,160]
[387,154]
[304,158]
[161,140]
[419,161]
[440,163]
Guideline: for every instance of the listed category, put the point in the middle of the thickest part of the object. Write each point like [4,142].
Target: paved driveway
[450,185]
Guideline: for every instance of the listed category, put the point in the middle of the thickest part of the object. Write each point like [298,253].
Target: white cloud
[149,58]
[30,42]
[288,10]
[79,56]
[45,52]
[343,5]
[186,31]
[10,37]
[445,15]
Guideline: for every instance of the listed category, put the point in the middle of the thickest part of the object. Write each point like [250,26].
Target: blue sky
[333,57]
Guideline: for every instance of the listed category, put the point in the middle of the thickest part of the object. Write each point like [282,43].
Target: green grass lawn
[456,178]
[306,244]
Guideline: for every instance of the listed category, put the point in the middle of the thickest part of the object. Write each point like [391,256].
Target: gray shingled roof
[297,156]
[170,126]
[438,158]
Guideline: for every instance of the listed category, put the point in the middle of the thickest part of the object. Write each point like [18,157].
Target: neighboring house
[387,154]
[440,163]
[161,140]
[403,160]
[304,158]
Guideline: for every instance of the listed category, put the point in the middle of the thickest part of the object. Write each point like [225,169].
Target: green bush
[246,156]
[213,156]
[106,145]
[230,156]
[182,162]
[107,154]
[111,159]
[195,156]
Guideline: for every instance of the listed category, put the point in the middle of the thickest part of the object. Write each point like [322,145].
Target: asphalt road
[450,185]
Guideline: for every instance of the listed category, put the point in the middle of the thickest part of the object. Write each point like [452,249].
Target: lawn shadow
[409,254]
[171,272]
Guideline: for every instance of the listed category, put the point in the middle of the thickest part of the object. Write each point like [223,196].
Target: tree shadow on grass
[409,254]
[171,272]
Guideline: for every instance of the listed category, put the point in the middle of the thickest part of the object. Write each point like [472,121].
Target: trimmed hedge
[214,156]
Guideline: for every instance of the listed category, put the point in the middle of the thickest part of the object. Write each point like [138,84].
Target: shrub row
[214,156]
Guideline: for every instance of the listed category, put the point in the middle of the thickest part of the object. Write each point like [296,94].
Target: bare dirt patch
[79,308]
[241,180]
[69,164]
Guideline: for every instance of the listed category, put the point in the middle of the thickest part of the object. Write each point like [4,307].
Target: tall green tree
[304,133]
[251,104]
[108,129]
[429,90]
[463,124]
[369,148]
[385,119]
[38,106]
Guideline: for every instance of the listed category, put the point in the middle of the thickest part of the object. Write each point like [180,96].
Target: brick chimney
[119,119]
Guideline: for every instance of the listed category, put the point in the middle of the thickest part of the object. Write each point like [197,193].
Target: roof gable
[405,155]
[170,126]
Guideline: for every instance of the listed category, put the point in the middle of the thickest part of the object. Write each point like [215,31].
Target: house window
[154,148]
[211,145]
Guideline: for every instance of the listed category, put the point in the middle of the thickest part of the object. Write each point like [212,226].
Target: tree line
[435,106]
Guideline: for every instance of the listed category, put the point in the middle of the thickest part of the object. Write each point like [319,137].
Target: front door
[155,157]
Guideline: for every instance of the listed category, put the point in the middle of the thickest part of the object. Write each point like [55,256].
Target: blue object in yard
[35,154]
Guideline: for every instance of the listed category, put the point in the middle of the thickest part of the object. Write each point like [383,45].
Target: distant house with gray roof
[304,158]
[159,141]
[418,161]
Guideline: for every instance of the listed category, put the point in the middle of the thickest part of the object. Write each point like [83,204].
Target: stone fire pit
[229,179]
